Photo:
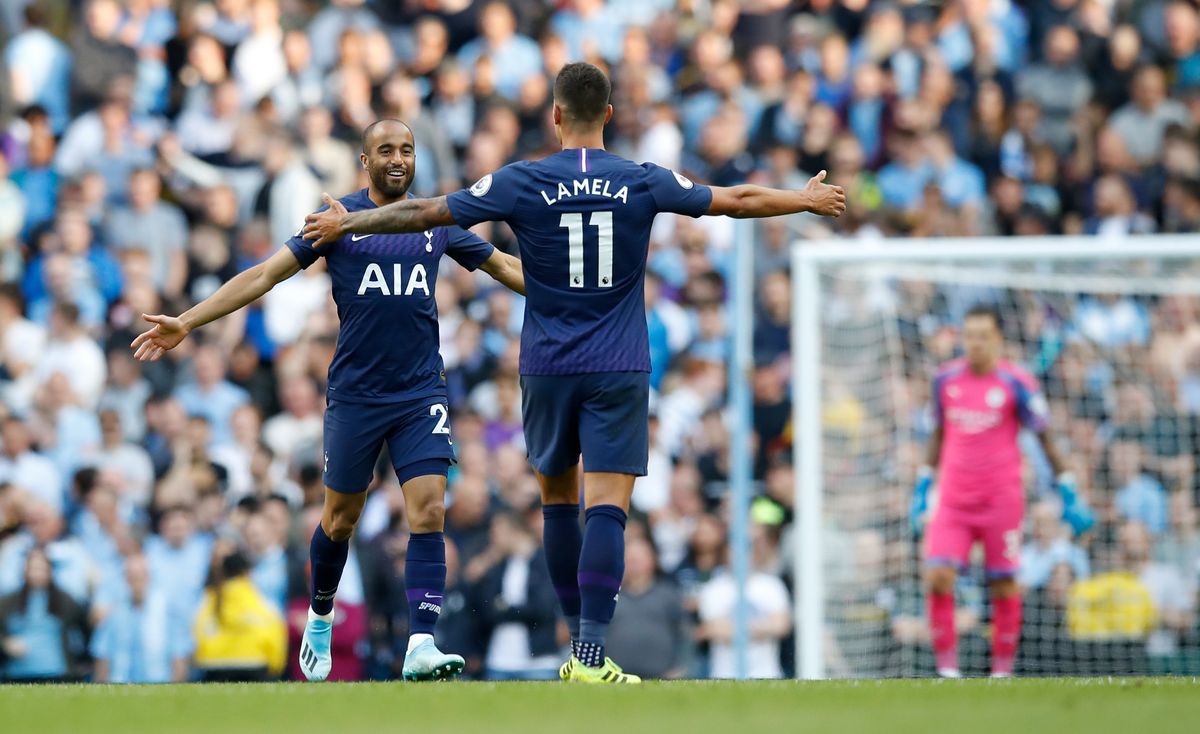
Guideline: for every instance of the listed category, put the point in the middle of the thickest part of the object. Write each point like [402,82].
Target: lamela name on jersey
[587,187]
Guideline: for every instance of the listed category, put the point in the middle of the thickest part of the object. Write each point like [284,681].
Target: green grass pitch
[1089,706]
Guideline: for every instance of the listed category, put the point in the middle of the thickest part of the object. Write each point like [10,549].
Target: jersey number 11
[603,222]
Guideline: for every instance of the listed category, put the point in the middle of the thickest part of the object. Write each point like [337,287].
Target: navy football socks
[425,580]
[327,559]
[601,567]
[562,538]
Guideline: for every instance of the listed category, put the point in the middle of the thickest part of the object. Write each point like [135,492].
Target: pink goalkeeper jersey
[980,417]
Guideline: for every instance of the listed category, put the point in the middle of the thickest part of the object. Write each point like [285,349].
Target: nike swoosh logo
[432,596]
[357,237]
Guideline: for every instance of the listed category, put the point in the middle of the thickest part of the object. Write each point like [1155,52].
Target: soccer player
[386,385]
[582,220]
[980,403]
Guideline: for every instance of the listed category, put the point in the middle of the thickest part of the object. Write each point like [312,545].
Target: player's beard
[391,188]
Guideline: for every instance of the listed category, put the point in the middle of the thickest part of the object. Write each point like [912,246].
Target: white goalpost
[1095,320]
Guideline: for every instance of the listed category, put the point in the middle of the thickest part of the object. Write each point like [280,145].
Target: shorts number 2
[440,412]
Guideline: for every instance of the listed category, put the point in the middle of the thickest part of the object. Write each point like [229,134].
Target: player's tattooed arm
[507,271]
[753,202]
[242,289]
[400,217]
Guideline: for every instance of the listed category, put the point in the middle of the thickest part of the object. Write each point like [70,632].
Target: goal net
[1111,330]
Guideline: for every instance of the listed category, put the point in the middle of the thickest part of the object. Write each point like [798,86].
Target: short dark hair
[370,128]
[582,92]
[235,564]
[985,310]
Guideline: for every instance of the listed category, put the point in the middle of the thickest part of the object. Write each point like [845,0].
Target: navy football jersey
[383,285]
[582,218]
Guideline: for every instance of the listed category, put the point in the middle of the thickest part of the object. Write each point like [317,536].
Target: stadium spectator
[1173,596]
[1059,86]
[239,635]
[649,631]
[22,342]
[770,621]
[1179,547]
[43,631]
[1139,496]
[512,57]
[103,531]
[35,175]
[516,603]
[209,394]
[1115,604]
[178,557]
[296,431]
[140,641]
[208,130]
[1049,547]
[28,469]
[1142,122]
[127,461]
[39,67]
[154,226]
[100,54]
[258,63]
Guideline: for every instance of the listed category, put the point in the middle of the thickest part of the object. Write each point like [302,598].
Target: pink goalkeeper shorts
[952,533]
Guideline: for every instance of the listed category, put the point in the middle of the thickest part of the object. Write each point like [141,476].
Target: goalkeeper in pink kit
[980,404]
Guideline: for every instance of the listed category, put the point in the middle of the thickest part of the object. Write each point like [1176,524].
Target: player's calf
[1006,625]
[562,540]
[425,570]
[939,582]
[328,551]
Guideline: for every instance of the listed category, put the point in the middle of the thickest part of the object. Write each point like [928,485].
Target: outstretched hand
[325,227]
[827,200]
[165,335]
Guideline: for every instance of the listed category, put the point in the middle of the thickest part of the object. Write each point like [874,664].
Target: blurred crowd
[150,149]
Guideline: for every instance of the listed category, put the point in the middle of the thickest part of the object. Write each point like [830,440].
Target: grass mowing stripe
[1094,706]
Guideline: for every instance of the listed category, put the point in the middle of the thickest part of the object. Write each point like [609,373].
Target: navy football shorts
[417,434]
[603,415]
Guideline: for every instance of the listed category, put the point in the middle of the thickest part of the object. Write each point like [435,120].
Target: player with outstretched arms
[386,385]
[582,220]
[980,404]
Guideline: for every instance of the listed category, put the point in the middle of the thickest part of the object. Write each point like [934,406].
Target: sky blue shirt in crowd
[40,187]
[140,641]
[1037,565]
[77,438]
[902,186]
[582,219]
[960,183]
[216,405]
[179,572]
[384,287]
[1144,500]
[604,31]
[41,633]
[514,62]
[45,63]
[270,576]
[102,550]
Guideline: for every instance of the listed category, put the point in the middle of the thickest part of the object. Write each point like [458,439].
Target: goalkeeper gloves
[1076,513]
[920,501]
